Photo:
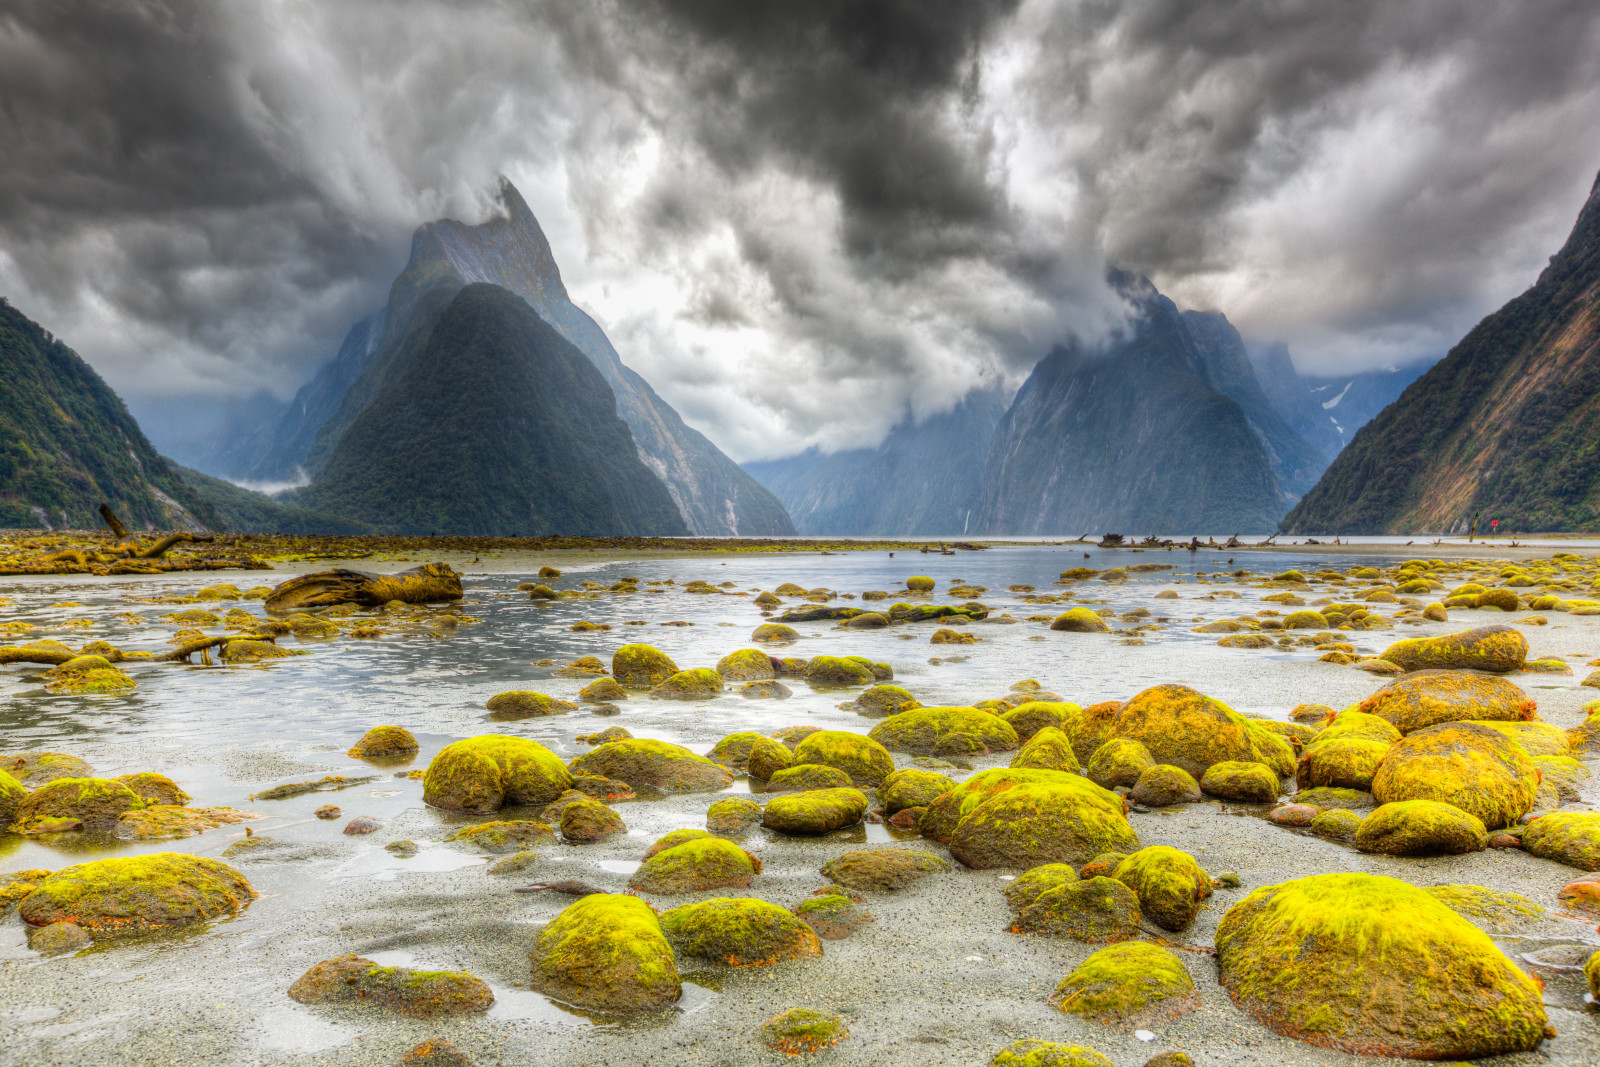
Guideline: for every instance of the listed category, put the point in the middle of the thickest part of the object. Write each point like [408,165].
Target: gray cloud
[800,221]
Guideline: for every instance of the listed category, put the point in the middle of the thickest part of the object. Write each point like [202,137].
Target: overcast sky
[797,220]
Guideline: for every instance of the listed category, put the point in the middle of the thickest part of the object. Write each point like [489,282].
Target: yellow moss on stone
[135,894]
[862,757]
[1035,1053]
[1472,767]
[1428,698]
[1342,762]
[606,952]
[480,774]
[1570,837]
[945,731]
[741,932]
[1133,984]
[1421,828]
[1496,649]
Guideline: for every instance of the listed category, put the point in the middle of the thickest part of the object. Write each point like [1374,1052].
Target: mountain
[491,423]
[1327,411]
[924,479]
[1506,425]
[712,493]
[1224,363]
[240,510]
[1131,440]
[68,444]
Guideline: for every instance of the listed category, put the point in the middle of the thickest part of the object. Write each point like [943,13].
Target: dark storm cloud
[799,220]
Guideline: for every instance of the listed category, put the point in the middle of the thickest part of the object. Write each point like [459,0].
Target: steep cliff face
[712,493]
[1225,365]
[68,444]
[925,479]
[1327,410]
[1504,426]
[1132,440]
[492,424]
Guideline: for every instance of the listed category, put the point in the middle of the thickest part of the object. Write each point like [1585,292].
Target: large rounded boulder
[648,764]
[1134,984]
[740,932]
[137,894]
[1188,729]
[866,761]
[606,952]
[1169,883]
[1496,649]
[479,775]
[1570,837]
[945,731]
[814,812]
[1067,820]
[1377,967]
[1428,698]
[1421,828]
[641,666]
[1477,769]
[76,803]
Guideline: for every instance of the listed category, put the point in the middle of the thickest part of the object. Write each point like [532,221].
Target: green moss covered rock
[696,866]
[1340,762]
[1164,785]
[585,820]
[1496,649]
[655,765]
[913,787]
[1570,837]
[1473,767]
[799,1031]
[1355,725]
[1421,828]
[606,952]
[1191,730]
[481,774]
[1043,821]
[734,750]
[882,700]
[774,633]
[1032,1052]
[942,816]
[137,894]
[1169,883]
[815,812]
[1536,738]
[699,683]
[384,742]
[833,913]
[1093,910]
[1249,783]
[1428,698]
[1133,984]
[1119,762]
[93,803]
[12,794]
[1340,824]
[412,993]
[512,835]
[1374,966]
[804,776]
[740,932]
[768,757]
[641,666]
[1031,716]
[1079,621]
[34,769]
[1049,749]
[945,731]
[883,869]
[866,761]
[746,665]
[836,672]
[526,704]
[153,788]
[733,815]
[89,675]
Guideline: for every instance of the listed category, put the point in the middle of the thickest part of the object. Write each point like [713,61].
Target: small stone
[1229,880]
[403,849]
[1293,814]
[362,824]
[515,863]
[436,1052]
[413,993]
[329,811]
[58,938]
[802,1030]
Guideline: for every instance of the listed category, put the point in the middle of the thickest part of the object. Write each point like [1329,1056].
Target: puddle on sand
[618,866]
[290,1028]
[383,866]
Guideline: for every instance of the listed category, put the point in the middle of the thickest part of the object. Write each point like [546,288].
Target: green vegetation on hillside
[67,444]
[241,510]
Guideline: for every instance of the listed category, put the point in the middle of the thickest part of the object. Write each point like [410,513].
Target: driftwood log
[429,583]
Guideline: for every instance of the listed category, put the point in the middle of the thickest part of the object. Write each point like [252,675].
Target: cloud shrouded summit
[799,221]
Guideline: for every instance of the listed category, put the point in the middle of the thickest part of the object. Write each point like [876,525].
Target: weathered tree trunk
[119,531]
[159,549]
[426,584]
[13,654]
[202,644]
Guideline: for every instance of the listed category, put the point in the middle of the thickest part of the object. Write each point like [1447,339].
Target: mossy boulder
[1191,730]
[837,672]
[734,749]
[774,633]
[1428,698]
[768,758]
[942,816]
[1360,726]
[945,731]
[384,742]
[1079,621]
[1032,1052]
[1119,762]
[1473,767]
[799,1031]
[1570,837]
[746,665]
[152,788]
[740,932]
[883,870]
[641,666]
[93,803]
[500,837]
[1033,715]
[480,774]
[412,993]
[137,894]
[1169,883]
[1340,762]
[606,952]
[1421,828]
[1164,785]
[1377,967]
[1536,738]
[1049,749]
[883,700]
[913,787]
[1047,820]
[767,690]
[698,683]
[1133,984]
[814,812]
[866,761]
[1495,649]
[695,866]
[34,769]
[237,652]
[833,913]
[921,584]
[526,704]
[585,820]
[87,674]
[1249,783]
[804,776]
[12,794]
[1341,824]
[603,691]
[1095,910]
[732,815]
[657,765]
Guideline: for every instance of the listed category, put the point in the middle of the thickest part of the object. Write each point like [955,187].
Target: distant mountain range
[1505,426]
[1327,411]
[711,493]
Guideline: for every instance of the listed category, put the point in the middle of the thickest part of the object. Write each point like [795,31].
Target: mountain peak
[508,248]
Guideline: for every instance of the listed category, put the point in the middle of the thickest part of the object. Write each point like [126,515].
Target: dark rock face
[926,478]
[493,424]
[713,495]
[1502,427]
[67,443]
[1133,438]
